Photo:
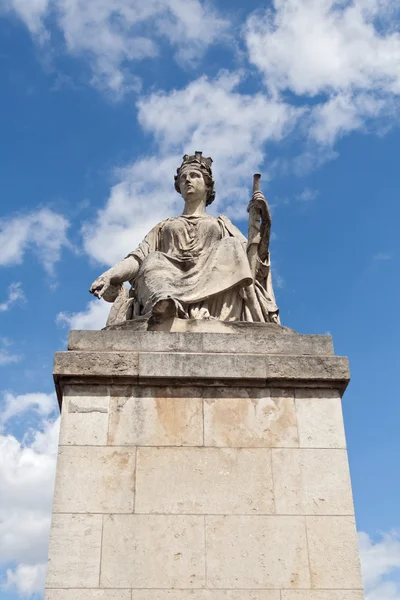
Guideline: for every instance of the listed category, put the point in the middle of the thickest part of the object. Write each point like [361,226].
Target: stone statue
[194,265]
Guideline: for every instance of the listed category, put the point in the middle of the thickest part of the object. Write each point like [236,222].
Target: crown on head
[198,158]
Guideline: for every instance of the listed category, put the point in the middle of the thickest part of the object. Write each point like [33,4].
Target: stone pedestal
[202,466]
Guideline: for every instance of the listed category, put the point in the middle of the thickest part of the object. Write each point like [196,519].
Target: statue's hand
[259,203]
[101,286]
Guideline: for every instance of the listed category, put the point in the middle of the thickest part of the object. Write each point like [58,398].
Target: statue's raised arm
[194,266]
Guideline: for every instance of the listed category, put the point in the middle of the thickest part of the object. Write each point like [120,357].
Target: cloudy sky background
[99,100]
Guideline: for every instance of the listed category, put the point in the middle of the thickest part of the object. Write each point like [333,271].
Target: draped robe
[200,262]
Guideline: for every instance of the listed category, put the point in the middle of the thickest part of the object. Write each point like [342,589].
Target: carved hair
[202,164]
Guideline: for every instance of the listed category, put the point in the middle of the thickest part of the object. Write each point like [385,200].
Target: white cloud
[7,357]
[208,115]
[380,559]
[93,317]
[26,580]
[15,294]
[43,231]
[307,195]
[27,470]
[13,406]
[31,13]
[110,35]
[347,52]
[316,46]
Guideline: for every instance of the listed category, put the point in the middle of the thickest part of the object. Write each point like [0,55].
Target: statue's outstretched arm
[125,270]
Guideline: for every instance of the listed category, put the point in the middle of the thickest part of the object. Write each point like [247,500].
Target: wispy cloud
[380,561]
[12,406]
[112,36]
[44,232]
[15,294]
[382,256]
[7,357]
[307,195]
[93,317]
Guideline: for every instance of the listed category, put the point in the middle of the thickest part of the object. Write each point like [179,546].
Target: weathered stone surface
[249,417]
[309,368]
[261,341]
[84,418]
[322,595]
[94,480]
[311,482]
[244,339]
[204,481]
[257,552]
[124,339]
[319,419]
[85,594]
[153,551]
[103,364]
[175,325]
[333,552]
[203,366]
[74,551]
[244,366]
[156,416]
[207,595]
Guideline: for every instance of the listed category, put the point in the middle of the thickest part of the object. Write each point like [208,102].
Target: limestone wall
[202,493]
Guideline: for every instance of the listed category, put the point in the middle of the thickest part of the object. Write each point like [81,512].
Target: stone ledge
[145,366]
[215,369]
[248,338]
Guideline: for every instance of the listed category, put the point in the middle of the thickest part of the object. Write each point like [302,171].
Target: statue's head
[198,163]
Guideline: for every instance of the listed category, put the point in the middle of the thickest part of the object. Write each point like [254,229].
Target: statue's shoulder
[161,224]
[231,228]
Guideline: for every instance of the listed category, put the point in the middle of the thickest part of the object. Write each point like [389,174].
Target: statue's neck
[195,208]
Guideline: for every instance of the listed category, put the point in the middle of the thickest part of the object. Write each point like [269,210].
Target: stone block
[85,594]
[333,553]
[257,552]
[124,340]
[258,341]
[206,595]
[91,364]
[332,370]
[218,366]
[204,481]
[158,416]
[94,480]
[311,482]
[74,551]
[84,418]
[202,366]
[319,418]
[322,595]
[249,417]
[153,551]
[246,338]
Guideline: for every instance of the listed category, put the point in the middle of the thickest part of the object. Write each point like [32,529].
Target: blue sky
[97,106]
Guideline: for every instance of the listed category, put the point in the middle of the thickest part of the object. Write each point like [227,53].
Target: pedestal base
[203,466]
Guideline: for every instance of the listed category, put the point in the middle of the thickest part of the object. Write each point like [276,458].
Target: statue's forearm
[125,270]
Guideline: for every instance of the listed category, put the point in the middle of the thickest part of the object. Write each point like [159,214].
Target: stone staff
[259,226]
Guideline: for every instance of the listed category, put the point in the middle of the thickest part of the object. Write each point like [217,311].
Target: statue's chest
[189,235]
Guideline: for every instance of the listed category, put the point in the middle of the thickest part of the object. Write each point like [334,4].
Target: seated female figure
[193,265]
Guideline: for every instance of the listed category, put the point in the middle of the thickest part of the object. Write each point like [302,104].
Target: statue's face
[192,184]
